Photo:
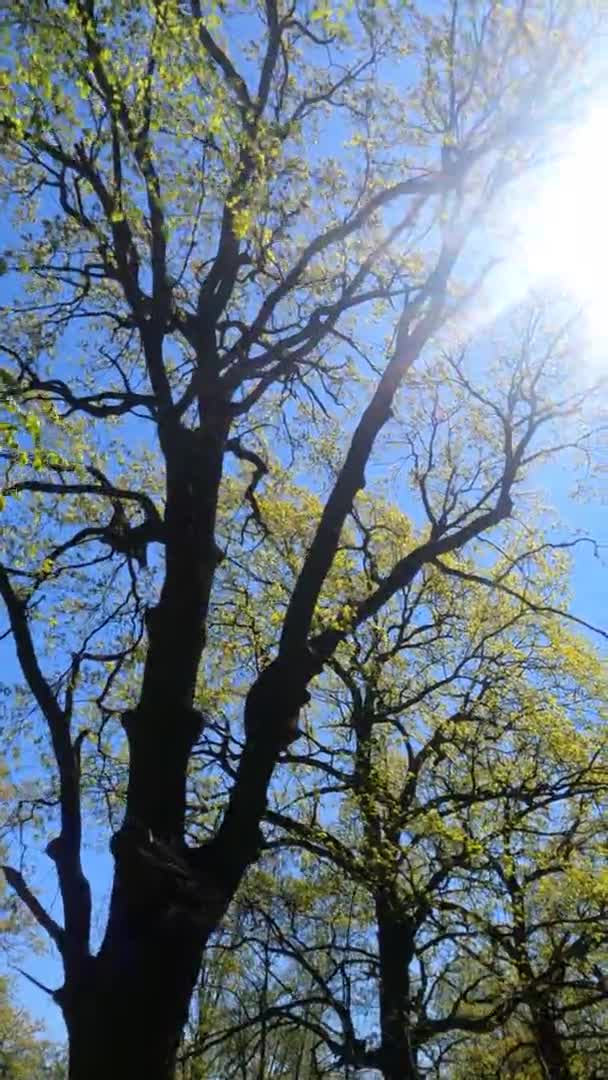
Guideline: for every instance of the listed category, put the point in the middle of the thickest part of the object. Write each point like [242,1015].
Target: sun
[563,229]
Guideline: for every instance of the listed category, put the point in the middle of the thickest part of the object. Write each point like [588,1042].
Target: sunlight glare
[565,231]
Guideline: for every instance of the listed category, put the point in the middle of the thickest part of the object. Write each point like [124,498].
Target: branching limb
[219,57]
[19,885]
[260,470]
[539,609]
[351,478]
[65,849]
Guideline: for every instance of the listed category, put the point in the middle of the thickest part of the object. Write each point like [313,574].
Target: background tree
[243,1024]
[206,206]
[24,1054]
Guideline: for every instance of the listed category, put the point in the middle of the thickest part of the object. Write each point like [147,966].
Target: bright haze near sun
[556,231]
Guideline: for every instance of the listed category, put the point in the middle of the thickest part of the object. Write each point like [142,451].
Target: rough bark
[126,1016]
[126,1010]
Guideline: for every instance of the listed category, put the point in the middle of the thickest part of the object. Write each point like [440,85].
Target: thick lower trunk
[126,1019]
[550,1048]
[397,1057]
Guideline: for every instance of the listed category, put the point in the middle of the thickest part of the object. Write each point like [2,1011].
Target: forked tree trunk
[125,1013]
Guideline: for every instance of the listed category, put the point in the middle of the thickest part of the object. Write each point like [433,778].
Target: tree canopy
[288,621]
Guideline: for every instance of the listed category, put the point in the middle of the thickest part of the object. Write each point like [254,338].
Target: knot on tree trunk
[161,882]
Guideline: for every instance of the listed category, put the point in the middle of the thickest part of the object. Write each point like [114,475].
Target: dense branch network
[204,282]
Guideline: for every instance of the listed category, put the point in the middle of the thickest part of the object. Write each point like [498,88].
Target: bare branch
[65,850]
[18,884]
[224,63]
[532,605]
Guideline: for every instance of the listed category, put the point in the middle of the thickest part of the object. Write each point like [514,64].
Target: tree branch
[18,884]
[220,58]
[106,489]
[65,850]
[351,477]
[539,609]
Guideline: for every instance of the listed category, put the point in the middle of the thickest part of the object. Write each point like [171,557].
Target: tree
[453,782]
[23,1054]
[240,1027]
[206,205]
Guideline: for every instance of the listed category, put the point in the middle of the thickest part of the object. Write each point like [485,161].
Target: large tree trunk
[125,1013]
[126,1019]
[549,1046]
[397,1056]
[126,1008]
